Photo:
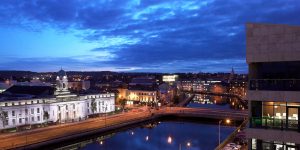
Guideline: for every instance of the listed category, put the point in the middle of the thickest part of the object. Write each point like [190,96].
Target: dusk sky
[133,35]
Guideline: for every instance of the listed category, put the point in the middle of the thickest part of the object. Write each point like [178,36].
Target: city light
[228,121]
[188,144]
[147,138]
[169,139]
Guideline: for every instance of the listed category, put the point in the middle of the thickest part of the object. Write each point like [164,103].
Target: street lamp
[188,144]
[227,121]
[105,108]
[169,139]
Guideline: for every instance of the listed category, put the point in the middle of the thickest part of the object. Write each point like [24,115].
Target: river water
[167,135]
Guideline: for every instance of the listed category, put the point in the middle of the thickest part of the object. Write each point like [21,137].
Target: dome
[61,73]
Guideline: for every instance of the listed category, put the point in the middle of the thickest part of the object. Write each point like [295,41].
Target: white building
[63,107]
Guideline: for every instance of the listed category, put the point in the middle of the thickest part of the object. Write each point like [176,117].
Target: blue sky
[133,35]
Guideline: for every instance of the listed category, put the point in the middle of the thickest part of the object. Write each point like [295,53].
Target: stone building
[273,56]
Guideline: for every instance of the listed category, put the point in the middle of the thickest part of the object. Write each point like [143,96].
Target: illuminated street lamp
[169,139]
[227,121]
[188,144]
[147,138]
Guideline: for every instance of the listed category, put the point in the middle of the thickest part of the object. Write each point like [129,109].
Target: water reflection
[165,135]
[212,101]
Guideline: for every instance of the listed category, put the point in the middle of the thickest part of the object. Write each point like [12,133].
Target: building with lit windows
[63,106]
[273,56]
[197,85]
[142,90]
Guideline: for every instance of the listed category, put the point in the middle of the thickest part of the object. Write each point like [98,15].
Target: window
[26,120]
[253,144]
[6,122]
[13,103]
[32,110]
[66,107]
[14,122]
[38,110]
[32,119]
[38,118]
[5,104]
[26,111]
[13,113]
[74,106]
[20,120]
[38,101]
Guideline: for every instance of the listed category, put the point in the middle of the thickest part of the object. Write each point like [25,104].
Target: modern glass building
[273,56]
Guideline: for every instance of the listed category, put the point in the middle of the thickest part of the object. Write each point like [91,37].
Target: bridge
[210,113]
[41,137]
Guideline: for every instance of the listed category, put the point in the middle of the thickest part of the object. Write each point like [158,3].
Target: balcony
[273,123]
[275,84]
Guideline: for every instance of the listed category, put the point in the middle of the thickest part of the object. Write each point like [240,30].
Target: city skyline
[133,35]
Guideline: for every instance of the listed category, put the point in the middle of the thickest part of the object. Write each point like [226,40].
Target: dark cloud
[157,34]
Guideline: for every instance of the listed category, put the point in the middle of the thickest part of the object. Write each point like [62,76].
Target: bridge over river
[41,137]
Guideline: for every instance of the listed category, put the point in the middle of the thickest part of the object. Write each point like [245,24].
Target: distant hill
[13,73]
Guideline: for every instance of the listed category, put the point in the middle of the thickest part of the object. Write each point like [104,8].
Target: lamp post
[105,108]
[226,121]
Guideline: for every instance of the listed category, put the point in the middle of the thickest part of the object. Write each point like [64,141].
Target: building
[171,79]
[238,87]
[79,85]
[142,90]
[21,110]
[273,56]
[167,93]
[198,85]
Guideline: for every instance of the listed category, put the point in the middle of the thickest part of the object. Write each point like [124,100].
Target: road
[11,140]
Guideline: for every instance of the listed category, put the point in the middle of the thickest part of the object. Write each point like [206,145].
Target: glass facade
[257,144]
[280,115]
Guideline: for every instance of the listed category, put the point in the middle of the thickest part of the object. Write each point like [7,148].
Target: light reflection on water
[163,136]
[211,101]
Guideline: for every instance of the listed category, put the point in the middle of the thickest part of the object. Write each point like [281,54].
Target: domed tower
[61,83]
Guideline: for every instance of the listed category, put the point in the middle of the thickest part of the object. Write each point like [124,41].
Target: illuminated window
[253,144]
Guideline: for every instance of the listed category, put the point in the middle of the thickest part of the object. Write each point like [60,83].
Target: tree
[176,99]
[93,105]
[123,103]
[3,116]
[46,116]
